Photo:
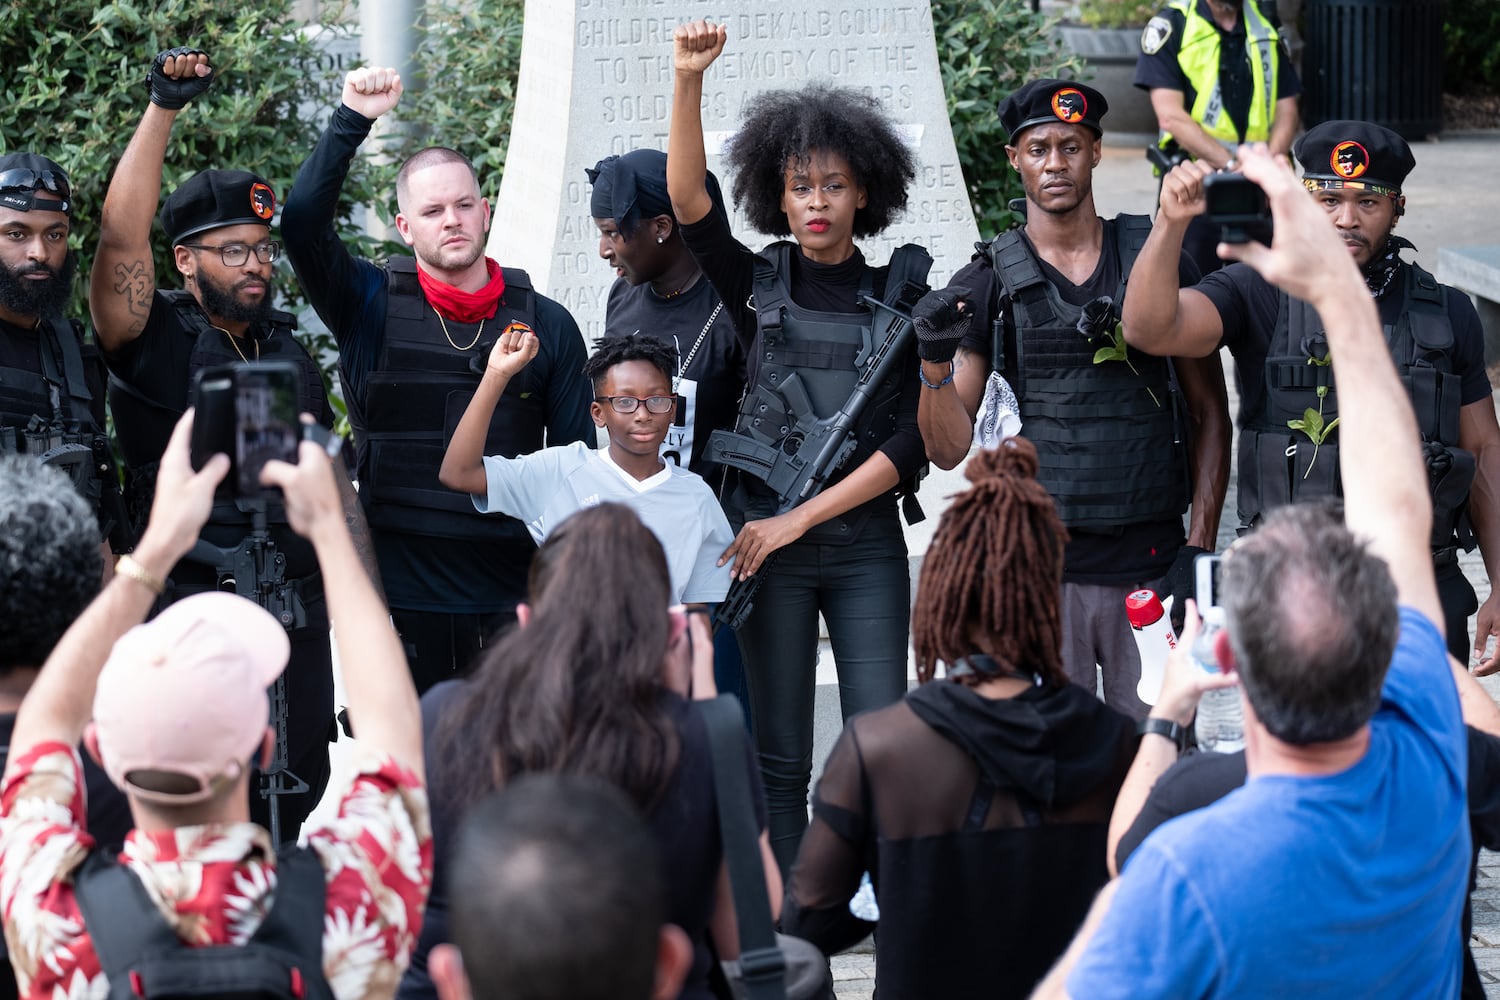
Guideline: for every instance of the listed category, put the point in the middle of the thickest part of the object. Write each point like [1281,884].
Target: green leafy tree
[986,50]
[468,90]
[73,77]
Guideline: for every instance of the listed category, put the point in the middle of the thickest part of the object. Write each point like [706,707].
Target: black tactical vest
[1108,436]
[47,413]
[414,400]
[1280,465]
[810,362]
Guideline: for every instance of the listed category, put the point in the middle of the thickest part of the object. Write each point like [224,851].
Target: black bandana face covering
[1383,266]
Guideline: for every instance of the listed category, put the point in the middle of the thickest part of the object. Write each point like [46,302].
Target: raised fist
[177,76]
[941,320]
[514,350]
[372,90]
[696,45]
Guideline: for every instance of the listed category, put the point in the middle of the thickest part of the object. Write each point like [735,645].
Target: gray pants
[1096,632]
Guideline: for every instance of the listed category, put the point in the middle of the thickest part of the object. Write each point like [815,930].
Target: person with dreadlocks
[822,166]
[1001,776]
[633,402]
[1354,171]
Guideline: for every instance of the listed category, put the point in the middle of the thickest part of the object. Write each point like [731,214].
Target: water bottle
[1154,639]
[1220,725]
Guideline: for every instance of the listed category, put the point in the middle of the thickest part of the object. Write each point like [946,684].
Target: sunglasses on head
[26,179]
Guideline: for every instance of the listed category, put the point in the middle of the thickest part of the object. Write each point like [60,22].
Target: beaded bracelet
[922,376]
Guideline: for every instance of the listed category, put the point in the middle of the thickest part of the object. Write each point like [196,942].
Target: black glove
[1182,581]
[175,94]
[940,324]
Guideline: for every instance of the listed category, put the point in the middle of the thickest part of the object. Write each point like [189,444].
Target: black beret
[1354,154]
[1043,101]
[26,180]
[217,198]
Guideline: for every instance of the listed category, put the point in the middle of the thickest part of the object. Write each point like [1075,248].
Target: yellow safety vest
[1198,57]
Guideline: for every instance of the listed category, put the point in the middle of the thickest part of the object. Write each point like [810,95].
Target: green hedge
[986,50]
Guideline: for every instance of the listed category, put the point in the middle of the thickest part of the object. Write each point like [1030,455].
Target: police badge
[1155,35]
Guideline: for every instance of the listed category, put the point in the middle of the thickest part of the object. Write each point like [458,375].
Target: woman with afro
[979,803]
[821,166]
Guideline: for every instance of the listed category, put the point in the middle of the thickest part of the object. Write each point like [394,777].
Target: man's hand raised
[1182,191]
[177,76]
[372,90]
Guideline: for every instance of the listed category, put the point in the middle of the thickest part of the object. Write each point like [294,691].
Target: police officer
[1219,75]
[413,337]
[1039,306]
[51,382]
[156,342]
[1288,403]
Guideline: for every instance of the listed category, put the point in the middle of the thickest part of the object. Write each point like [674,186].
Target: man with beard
[156,343]
[1289,443]
[1036,312]
[413,336]
[51,382]
[1218,74]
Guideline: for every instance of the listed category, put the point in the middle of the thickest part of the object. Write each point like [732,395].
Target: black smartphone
[1239,207]
[250,413]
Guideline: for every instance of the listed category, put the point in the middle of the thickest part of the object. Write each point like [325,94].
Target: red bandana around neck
[464,307]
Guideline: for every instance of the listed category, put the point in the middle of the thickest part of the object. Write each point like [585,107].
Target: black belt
[1445,556]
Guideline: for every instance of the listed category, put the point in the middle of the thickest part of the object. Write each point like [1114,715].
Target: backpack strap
[295,923]
[125,925]
[121,920]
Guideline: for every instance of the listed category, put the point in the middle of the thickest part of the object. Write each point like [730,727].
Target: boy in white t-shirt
[634,403]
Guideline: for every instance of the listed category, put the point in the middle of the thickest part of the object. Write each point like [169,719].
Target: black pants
[1457,597]
[863,591]
[440,646]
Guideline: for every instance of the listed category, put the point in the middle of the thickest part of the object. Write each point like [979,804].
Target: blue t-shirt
[1350,885]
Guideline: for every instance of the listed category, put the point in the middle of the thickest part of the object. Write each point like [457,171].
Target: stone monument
[596,79]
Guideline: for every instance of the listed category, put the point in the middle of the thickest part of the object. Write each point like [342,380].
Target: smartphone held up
[250,413]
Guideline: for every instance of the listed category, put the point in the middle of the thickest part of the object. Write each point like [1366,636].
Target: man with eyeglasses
[157,341]
[51,382]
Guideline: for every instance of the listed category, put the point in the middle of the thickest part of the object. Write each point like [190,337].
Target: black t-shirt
[1161,69]
[684,822]
[1136,553]
[710,360]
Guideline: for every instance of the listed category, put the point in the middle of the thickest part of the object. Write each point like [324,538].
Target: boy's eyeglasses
[629,404]
[235,254]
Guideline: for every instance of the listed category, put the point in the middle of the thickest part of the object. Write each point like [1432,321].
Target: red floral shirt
[213,883]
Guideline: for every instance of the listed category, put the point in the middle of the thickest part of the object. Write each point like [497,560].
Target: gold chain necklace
[477,333]
[234,343]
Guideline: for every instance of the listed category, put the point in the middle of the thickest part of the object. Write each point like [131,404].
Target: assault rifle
[256,571]
[798,466]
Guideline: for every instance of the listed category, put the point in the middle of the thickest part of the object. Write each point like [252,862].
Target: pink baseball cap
[185,694]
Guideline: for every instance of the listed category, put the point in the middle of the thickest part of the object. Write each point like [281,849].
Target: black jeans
[440,646]
[863,591]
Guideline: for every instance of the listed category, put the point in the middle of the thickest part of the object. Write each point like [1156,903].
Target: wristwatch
[1162,727]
